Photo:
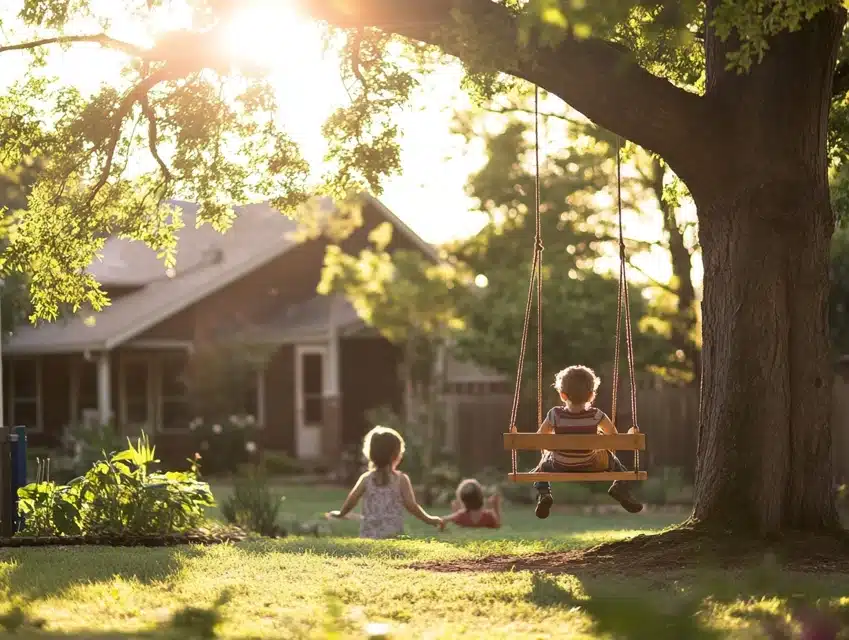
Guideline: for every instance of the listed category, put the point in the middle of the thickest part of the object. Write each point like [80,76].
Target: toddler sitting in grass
[385,491]
[469,511]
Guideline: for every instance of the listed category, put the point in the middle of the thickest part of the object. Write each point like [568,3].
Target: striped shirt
[565,422]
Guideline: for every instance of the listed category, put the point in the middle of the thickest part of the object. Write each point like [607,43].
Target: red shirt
[486,520]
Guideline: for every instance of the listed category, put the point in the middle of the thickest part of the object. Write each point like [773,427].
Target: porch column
[104,390]
[331,441]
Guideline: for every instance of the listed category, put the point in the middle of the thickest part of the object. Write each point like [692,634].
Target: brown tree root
[680,549]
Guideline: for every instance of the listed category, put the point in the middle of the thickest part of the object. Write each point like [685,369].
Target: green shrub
[253,506]
[225,444]
[118,495]
[277,463]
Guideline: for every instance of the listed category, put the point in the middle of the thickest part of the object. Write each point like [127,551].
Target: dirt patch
[676,550]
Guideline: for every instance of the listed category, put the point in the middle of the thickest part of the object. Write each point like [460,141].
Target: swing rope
[535,285]
[623,299]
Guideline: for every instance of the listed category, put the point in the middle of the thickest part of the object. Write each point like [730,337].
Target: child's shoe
[620,493]
[544,502]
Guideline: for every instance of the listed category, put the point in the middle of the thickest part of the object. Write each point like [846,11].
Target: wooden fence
[668,416]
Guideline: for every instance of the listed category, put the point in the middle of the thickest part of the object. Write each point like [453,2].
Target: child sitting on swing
[469,508]
[577,387]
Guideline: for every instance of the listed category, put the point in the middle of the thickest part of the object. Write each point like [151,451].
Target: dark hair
[579,384]
[383,447]
[470,493]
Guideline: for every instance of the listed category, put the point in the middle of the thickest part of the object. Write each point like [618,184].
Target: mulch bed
[676,550]
[124,540]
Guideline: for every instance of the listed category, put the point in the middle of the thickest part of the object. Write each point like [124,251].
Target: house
[326,368]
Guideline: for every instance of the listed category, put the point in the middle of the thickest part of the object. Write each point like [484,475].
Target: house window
[135,376]
[25,388]
[173,392]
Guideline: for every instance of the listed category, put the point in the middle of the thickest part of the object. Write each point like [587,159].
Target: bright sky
[429,195]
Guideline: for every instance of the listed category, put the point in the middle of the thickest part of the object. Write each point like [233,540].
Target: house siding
[279,433]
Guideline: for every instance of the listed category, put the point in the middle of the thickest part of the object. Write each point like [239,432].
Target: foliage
[197,120]
[227,444]
[118,495]
[401,293]
[413,302]
[839,300]
[253,506]
[579,302]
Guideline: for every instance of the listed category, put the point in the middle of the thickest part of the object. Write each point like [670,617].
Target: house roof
[304,321]
[206,262]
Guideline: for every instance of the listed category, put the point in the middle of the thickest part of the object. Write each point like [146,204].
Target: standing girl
[385,491]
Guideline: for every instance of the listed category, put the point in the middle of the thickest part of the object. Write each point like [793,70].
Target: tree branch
[136,94]
[102,39]
[542,114]
[152,137]
[599,79]
[652,280]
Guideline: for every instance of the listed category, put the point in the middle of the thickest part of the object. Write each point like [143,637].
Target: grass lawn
[334,587]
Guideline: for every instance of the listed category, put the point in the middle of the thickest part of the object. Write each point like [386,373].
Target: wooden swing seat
[559,442]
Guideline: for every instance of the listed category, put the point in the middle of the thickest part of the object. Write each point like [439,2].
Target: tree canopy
[580,230]
[198,122]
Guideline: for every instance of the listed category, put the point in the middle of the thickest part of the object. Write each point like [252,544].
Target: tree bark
[764,460]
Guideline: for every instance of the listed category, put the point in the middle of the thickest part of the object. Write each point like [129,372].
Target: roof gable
[206,262]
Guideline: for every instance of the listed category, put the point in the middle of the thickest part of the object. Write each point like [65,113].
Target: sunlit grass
[315,587]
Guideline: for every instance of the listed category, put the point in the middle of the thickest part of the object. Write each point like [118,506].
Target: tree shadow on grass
[620,614]
[46,571]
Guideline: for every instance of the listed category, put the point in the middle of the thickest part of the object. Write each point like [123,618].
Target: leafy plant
[253,506]
[118,495]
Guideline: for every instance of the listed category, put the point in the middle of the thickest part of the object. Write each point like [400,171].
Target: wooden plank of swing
[589,476]
[558,442]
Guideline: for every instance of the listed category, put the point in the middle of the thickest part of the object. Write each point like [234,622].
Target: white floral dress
[383,508]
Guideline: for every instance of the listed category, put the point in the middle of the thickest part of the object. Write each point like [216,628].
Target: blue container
[19,469]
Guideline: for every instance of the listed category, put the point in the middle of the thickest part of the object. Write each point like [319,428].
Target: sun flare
[271,34]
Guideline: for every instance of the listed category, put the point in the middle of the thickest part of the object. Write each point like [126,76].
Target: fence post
[7,526]
[19,471]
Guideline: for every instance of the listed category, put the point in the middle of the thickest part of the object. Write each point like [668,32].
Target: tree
[579,304]
[413,303]
[15,186]
[735,97]
[585,167]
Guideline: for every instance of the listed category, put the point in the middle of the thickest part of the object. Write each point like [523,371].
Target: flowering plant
[225,445]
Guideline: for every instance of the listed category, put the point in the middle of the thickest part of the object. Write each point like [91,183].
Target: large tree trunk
[764,441]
